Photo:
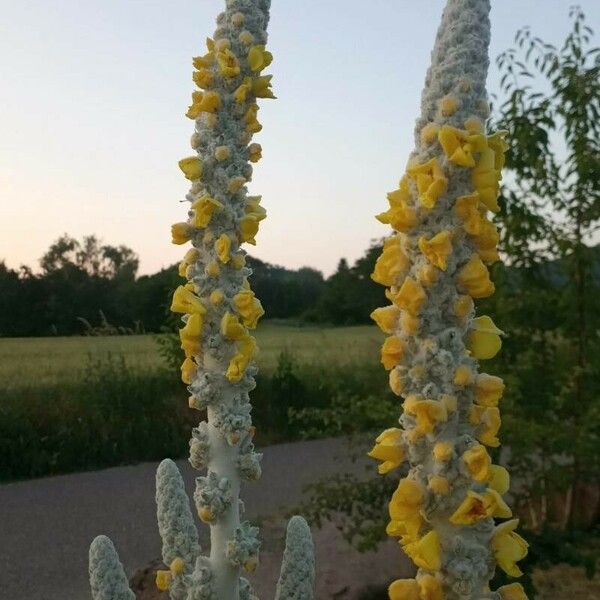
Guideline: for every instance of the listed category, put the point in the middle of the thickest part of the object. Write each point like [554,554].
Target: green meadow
[31,363]
[80,403]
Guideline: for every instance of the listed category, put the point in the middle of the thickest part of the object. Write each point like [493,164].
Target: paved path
[46,525]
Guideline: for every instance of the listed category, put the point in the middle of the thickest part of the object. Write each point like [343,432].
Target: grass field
[33,362]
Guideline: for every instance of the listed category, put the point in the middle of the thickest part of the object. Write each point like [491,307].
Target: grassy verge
[122,403]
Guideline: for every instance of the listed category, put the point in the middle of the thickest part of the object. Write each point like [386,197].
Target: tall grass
[114,410]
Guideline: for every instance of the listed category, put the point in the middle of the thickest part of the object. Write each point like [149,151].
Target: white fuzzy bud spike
[297,577]
[175,522]
[107,576]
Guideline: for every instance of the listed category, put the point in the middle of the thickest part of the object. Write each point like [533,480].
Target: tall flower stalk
[218,311]
[435,266]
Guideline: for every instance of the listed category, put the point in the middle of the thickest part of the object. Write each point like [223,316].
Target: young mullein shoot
[435,265]
[218,311]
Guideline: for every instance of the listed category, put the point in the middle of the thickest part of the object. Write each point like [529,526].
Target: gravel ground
[46,525]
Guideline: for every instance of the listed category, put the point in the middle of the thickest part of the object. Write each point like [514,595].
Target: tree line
[84,286]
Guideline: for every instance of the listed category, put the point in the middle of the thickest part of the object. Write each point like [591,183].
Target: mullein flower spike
[434,266]
[218,311]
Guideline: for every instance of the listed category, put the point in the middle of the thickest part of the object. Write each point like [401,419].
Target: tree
[551,211]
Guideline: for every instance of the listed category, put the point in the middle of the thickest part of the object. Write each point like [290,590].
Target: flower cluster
[219,310]
[434,266]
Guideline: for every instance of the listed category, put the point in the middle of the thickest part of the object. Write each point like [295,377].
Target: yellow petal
[411,296]
[392,352]
[484,340]
[426,553]
[430,588]
[404,589]
[386,318]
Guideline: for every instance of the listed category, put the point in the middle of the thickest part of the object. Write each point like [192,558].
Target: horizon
[94,120]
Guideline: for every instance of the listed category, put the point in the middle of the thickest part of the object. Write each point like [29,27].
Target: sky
[92,122]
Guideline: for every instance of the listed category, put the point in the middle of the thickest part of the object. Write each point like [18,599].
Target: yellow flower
[400,216]
[430,588]
[181,233]
[437,249]
[426,552]
[396,382]
[208,102]
[466,208]
[243,90]
[261,86]
[202,62]
[410,296]
[487,419]
[386,318]
[163,580]
[392,352]
[484,340]
[404,589]
[478,462]
[203,78]
[512,591]
[459,145]
[253,207]
[480,506]
[223,247]
[509,547]
[249,307]
[474,278]
[190,335]
[185,301]
[252,124]
[442,451]
[406,520]
[191,167]
[486,240]
[499,479]
[388,449]
[177,566]
[431,182]
[427,413]
[188,370]
[204,209]
[228,63]
[462,376]
[249,229]
[498,144]
[254,152]
[463,306]
[392,263]
[488,389]
[191,256]
[259,58]
[237,365]
[485,178]
[231,328]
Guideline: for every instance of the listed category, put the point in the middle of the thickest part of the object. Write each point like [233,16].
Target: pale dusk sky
[92,118]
